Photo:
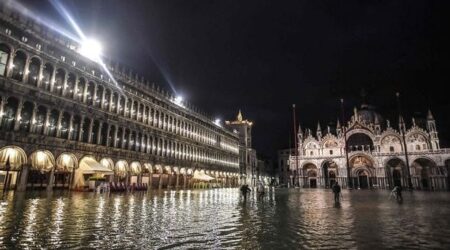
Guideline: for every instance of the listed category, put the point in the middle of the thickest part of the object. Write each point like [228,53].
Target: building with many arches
[368,153]
[65,118]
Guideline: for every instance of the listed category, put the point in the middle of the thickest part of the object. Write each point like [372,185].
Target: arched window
[106,103]
[59,81]
[4,58]
[331,152]
[33,71]
[111,138]
[25,117]
[126,139]
[70,85]
[80,89]
[40,120]
[311,153]
[418,147]
[133,141]
[47,76]
[90,93]
[19,65]
[9,113]
[85,131]
[104,134]
[65,123]
[115,104]
[391,149]
[95,133]
[122,108]
[119,138]
[76,127]
[98,96]
[52,123]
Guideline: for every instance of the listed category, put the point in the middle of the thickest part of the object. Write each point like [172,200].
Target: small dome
[368,114]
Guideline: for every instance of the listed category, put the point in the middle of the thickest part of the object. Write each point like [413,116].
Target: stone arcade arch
[329,173]
[362,171]
[395,170]
[425,174]
[14,158]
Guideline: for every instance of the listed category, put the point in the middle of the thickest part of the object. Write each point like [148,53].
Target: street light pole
[349,181]
[402,132]
[296,145]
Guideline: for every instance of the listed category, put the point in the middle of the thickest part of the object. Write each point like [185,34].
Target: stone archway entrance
[329,169]
[362,173]
[396,172]
[423,172]
[363,179]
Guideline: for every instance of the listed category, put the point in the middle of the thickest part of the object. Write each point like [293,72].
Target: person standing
[337,192]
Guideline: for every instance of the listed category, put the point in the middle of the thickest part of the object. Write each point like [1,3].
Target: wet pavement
[221,219]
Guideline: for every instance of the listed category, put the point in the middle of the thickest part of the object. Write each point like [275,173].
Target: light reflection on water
[221,219]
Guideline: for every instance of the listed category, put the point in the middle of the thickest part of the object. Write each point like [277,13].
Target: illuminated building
[65,118]
[375,154]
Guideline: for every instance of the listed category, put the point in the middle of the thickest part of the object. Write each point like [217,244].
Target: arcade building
[66,119]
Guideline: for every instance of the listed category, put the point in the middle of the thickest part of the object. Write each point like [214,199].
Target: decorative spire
[388,123]
[338,124]
[376,121]
[318,127]
[300,131]
[430,115]
[239,116]
[355,113]
[328,129]
[413,122]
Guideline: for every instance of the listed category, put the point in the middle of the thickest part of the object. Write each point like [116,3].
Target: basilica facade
[65,119]
[368,152]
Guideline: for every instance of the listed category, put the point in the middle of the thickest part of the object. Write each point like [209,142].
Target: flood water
[221,219]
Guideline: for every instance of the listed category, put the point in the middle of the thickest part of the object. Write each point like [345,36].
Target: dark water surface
[221,219]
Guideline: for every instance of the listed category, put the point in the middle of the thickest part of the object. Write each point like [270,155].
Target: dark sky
[262,56]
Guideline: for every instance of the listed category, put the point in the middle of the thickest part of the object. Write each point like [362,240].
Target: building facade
[248,160]
[283,171]
[376,155]
[65,118]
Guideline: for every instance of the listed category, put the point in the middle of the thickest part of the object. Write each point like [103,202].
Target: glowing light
[179,101]
[91,49]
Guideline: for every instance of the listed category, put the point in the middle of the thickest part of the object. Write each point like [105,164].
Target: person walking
[244,190]
[337,192]
[397,191]
[260,190]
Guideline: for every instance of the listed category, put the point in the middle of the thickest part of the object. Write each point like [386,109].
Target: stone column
[91,126]
[23,178]
[184,181]
[150,181]
[102,99]
[18,115]
[110,101]
[51,179]
[108,131]
[169,181]
[40,73]
[160,181]
[129,140]
[131,109]
[177,184]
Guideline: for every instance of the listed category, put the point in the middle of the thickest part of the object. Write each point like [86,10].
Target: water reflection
[222,219]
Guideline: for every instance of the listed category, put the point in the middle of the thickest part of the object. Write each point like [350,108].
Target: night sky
[263,56]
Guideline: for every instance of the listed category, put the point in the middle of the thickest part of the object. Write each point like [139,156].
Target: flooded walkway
[221,219]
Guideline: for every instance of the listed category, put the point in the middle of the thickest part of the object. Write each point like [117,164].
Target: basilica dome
[368,114]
